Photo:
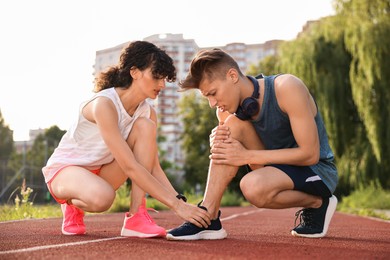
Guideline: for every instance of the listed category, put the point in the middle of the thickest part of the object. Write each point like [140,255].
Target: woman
[114,139]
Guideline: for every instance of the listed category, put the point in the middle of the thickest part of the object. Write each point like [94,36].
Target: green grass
[365,202]
[371,201]
[9,212]
[24,208]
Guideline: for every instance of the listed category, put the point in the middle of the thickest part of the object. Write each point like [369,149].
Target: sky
[48,47]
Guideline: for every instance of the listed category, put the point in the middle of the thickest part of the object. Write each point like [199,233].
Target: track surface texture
[252,234]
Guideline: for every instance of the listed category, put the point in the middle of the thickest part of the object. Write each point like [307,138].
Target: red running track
[252,234]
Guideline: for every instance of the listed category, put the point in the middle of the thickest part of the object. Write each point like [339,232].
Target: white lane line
[241,214]
[37,248]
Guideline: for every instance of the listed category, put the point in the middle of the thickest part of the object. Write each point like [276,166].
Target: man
[272,124]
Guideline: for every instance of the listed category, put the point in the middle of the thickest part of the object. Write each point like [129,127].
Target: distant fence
[11,183]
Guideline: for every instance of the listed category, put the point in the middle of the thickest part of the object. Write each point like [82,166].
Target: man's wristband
[181,197]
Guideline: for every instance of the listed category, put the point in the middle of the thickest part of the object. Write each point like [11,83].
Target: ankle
[212,210]
[135,208]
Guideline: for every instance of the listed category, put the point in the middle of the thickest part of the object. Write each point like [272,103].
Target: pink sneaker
[141,225]
[73,222]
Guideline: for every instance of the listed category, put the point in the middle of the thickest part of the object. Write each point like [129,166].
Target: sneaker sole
[132,233]
[203,235]
[72,234]
[328,216]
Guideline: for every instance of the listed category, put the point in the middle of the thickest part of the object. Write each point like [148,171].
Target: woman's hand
[193,214]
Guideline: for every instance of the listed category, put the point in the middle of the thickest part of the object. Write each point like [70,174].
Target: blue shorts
[305,179]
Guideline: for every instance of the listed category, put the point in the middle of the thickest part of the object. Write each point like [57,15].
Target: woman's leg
[83,189]
[142,141]
[87,191]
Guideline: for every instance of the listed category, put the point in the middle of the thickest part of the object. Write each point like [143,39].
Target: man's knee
[232,120]
[254,190]
[222,116]
[237,127]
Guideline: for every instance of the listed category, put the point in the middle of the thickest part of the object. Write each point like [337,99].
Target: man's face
[221,93]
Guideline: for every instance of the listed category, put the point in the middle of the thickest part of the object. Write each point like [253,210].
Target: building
[24,146]
[250,54]
[182,51]
[257,52]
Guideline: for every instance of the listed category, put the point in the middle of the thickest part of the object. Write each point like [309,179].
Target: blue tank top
[273,127]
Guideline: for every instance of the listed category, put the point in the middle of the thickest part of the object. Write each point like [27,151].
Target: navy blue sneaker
[314,222]
[188,231]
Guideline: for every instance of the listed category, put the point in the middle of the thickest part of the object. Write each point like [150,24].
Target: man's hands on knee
[219,134]
[230,152]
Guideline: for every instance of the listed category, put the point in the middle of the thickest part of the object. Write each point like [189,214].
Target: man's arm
[294,99]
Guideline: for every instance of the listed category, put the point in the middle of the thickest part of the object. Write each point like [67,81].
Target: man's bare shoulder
[288,81]
[290,91]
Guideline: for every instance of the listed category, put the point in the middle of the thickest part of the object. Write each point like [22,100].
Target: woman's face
[149,84]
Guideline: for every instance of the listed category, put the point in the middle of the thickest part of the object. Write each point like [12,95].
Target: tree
[35,159]
[343,60]
[6,149]
[198,121]
[168,167]
[267,66]
[367,38]
[43,147]
[320,59]
[6,140]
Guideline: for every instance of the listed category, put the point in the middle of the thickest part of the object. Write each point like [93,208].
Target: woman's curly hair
[141,55]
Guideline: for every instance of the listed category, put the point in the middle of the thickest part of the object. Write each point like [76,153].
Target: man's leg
[219,176]
[271,188]
[265,187]
[274,188]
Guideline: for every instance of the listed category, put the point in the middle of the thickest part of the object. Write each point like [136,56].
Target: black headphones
[250,105]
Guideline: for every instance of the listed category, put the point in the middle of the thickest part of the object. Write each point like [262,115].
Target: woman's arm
[105,116]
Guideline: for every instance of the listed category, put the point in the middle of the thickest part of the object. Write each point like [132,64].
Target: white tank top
[83,145]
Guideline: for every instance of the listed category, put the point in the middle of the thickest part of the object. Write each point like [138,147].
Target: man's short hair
[208,64]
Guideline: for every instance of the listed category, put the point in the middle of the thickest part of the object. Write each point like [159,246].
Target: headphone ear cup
[250,106]
[241,114]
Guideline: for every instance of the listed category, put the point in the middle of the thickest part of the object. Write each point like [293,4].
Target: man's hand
[219,134]
[230,152]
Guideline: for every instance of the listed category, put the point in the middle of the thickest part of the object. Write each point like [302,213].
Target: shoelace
[152,209]
[305,218]
[187,224]
[148,217]
[75,216]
